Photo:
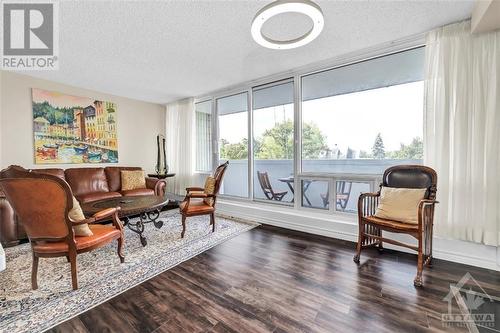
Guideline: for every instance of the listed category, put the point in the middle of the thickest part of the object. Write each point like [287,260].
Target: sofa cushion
[84,198]
[113,174]
[139,191]
[51,171]
[86,180]
[133,180]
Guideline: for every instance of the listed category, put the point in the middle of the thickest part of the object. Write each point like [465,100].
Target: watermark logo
[30,35]
[472,303]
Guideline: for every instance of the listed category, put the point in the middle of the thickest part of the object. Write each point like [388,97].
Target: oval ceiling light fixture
[309,8]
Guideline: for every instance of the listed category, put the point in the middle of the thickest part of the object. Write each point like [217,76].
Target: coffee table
[147,207]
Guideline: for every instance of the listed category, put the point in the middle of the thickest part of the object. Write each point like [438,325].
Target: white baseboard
[345,228]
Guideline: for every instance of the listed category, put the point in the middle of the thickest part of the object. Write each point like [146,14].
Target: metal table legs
[144,218]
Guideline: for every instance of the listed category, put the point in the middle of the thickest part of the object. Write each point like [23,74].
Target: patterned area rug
[100,274]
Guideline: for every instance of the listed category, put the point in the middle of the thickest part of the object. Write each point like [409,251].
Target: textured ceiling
[163,51]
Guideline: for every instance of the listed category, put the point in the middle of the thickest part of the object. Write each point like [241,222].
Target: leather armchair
[198,206]
[42,203]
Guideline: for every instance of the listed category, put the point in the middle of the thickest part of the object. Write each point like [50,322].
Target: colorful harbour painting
[72,129]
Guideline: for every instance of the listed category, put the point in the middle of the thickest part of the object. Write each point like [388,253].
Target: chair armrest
[158,185]
[199,195]
[191,189]
[425,215]
[368,194]
[89,220]
[426,202]
[99,216]
[105,213]
[367,204]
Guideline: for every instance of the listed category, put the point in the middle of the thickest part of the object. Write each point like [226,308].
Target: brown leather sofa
[87,184]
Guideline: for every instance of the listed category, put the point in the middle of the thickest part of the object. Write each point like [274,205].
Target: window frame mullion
[250,158]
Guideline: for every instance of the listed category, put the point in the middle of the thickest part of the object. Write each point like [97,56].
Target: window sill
[343,226]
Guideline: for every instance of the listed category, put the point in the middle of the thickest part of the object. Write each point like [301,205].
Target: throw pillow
[76,214]
[132,180]
[400,204]
[209,189]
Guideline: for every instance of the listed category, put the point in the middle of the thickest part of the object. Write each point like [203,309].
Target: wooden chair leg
[429,239]
[420,264]
[212,221]
[380,243]
[360,243]
[183,226]
[74,277]
[34,272]
[120,249]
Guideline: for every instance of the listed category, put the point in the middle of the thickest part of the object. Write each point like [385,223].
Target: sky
[60,100]
[349,120]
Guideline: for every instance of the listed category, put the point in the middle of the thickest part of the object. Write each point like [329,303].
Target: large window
[273,142]
[232,113]
[203,112]
[356,120]
[362,118]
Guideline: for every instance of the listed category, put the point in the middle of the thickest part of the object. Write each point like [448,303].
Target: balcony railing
[361,175]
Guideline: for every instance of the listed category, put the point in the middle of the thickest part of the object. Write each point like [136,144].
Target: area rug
[100,274]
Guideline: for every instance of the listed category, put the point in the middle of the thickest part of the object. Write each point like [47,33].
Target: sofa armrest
[158,185]
[9,229]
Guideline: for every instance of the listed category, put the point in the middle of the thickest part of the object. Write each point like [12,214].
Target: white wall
[1,122]
[138,123]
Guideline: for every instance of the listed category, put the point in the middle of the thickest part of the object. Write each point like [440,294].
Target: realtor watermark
[30,35]
[472,303]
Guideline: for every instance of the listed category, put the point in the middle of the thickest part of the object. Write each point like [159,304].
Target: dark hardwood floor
[273,280]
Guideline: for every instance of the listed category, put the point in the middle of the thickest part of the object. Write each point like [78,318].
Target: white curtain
[179,145]
[203,141]
[462,131]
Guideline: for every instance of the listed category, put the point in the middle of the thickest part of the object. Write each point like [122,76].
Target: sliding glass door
[232,117]
[273,142]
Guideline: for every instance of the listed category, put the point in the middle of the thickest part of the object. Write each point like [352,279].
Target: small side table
[2,258]
[161,176]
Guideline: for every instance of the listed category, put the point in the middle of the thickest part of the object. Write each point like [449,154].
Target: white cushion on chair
[400,204]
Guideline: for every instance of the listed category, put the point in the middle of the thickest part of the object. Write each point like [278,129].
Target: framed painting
[73,129]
